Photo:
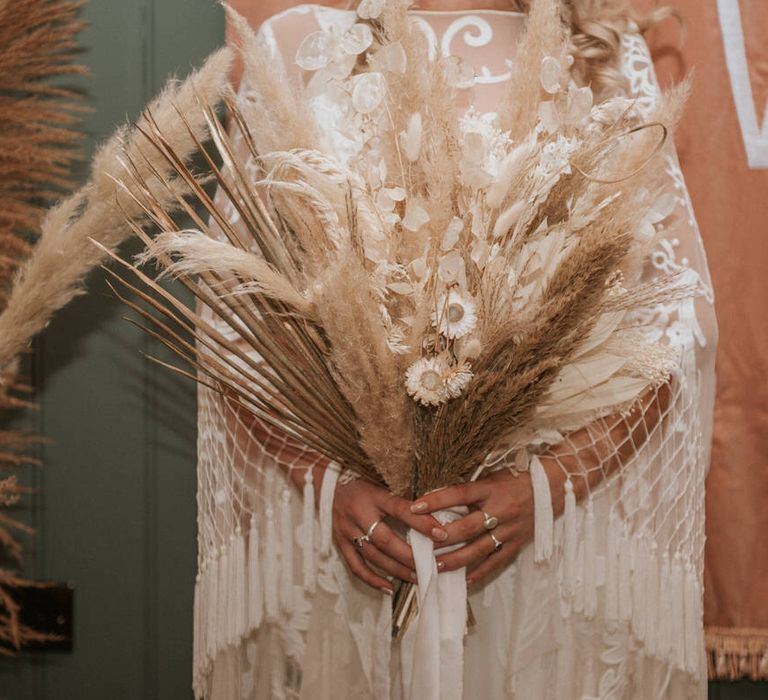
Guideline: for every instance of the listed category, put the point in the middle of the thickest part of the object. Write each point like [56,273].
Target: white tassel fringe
[255,588]
[250,580]
[238,610]
[308,532]
[612,571]
[271,569]
[543,513]
[569,540]
[625,577]
[222,598]
[327,491]
[287,597]
[589,569]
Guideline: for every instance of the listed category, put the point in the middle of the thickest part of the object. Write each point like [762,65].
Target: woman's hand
[356,506]
[500,494]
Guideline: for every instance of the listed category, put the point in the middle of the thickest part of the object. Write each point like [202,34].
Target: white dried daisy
[456,315]
[425,381]
[457,379]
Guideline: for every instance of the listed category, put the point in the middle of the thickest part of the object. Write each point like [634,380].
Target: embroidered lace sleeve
[641,472]
[689,325]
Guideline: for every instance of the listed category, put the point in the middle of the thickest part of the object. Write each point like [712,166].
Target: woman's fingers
[465,529]
[373,555]
[472,553]
[462,495]
[400,509]
[360,569]
[392,545]
[493,562]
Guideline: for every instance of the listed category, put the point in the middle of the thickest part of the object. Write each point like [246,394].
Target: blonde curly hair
[596,27]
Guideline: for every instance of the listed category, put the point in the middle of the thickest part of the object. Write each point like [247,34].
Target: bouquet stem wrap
[436,638]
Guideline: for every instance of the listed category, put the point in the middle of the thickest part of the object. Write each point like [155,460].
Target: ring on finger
[360,540]
[497,543]
[490,522]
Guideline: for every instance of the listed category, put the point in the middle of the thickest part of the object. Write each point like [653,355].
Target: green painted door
[116,504]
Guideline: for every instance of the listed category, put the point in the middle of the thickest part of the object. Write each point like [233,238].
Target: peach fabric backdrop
[723,145]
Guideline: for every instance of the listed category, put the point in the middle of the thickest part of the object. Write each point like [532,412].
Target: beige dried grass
[545,35]
[39,139]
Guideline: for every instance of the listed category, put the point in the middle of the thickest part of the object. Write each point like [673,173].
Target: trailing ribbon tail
[432,649]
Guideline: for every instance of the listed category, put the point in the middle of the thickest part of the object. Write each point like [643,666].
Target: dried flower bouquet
[415,288]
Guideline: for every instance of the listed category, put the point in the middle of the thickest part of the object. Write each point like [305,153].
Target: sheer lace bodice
[626,624]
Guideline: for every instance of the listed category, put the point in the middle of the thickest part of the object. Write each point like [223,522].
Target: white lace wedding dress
[277,614]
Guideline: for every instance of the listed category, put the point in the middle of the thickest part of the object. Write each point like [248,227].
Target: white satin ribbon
[432,649]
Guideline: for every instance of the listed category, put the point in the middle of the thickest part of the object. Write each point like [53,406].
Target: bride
[621,620]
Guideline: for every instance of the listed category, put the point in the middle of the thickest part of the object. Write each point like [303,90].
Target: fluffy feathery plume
[545,38]
[421,99]
[269,98]
[126,168]
[197,255]
[369,373]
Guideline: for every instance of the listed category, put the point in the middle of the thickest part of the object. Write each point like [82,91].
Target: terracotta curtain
[723,145]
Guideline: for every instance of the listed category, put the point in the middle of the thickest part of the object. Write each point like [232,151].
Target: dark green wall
[116,506]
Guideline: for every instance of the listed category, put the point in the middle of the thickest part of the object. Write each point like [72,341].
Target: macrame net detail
[623,566]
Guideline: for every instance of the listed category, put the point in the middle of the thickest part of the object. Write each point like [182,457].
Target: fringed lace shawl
[606,603]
